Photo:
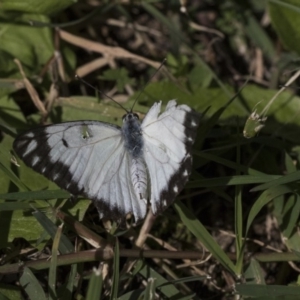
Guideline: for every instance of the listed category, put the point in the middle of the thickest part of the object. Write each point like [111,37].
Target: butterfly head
[129,117]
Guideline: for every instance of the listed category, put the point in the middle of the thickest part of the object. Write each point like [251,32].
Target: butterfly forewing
[168,139]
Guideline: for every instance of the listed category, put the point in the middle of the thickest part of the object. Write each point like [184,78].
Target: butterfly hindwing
[120,192]
[85,158]
[168,139]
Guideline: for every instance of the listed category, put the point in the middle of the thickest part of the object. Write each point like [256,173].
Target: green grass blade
[95,285]
[256,33]
[238,220]
[116,273]
[135,294]
[289,164]
[239,230]
[36,195]
[53,264]
[10,206]
[213,120]
[232,180]
[66,290]
[65,246]
[295,176]
[12,176]
[263,199]
[185,279]
[290,215]
[227,163]
[268,291]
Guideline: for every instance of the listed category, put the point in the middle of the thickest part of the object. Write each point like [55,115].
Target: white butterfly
[120,169]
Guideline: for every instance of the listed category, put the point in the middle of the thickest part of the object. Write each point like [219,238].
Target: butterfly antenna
[97,90]
[162,63]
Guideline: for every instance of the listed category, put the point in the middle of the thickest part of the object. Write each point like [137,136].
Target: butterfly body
[134,144]
[119,169]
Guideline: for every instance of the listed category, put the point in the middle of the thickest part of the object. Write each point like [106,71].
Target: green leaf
[285,19]
[89,108]
[31,45]
[31,285]
[120,76]
[48,7]
[198,76]
[9,292]
[18,224]
[254,274]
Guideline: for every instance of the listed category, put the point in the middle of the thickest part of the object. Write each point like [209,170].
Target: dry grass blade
[32,91]
[116,52]
[88,235]
[92,66]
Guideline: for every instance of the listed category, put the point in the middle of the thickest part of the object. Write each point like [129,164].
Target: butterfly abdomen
[139,177]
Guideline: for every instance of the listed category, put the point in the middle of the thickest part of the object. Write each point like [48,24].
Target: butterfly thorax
[132,134]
